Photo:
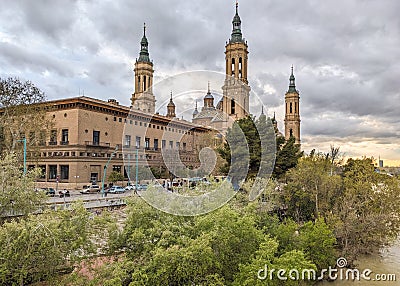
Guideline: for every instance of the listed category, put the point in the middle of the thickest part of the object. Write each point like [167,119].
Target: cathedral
[234,104]
[90,138]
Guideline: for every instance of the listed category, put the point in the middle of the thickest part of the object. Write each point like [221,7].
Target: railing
[64,142]
[95,143]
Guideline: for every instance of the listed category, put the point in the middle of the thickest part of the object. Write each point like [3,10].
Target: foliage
[22,115]
[115,177]
[37,247]
[17,191]
[287,156]
[365,217]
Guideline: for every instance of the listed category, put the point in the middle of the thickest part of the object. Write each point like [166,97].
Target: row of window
[128,138]
[291,107]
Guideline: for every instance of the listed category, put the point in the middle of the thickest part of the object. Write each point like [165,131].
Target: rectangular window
[147,143]
[117,168]
[178,145]
[43,171]
[42,138]
[171,144]
[163,144]
[32,137]
[184,146]
[52,172]
[295,107]
[96,137]
[64,137]
[53,137]
[127,140]
[156,144]
[138,142]
[64,172]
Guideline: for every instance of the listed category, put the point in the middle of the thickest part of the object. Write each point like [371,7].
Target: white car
[130,188]
[116,189]
[91,189]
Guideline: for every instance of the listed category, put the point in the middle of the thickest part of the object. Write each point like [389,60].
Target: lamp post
[76,182]
[24,141]
[137,169]
[105,171]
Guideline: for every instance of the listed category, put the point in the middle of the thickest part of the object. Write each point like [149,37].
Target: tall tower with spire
[143,98]
[171,108]
[235,101]
[292,111]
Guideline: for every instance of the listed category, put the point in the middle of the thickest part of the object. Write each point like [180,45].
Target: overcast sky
[346,56]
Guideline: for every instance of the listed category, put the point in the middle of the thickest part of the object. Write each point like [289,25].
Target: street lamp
[24,141]
[105,171]
[76,182]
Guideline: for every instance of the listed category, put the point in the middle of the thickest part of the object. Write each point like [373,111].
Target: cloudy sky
[346,56]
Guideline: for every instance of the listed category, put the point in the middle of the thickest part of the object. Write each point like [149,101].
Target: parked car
[130,188]
[142,187]
[91,189]
[116,189]
[48,191]
[64,193]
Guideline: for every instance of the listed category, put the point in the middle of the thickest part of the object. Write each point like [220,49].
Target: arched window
[233,66]
[291,132]
[295,107]
[144,83]
[291,107]
[232,106]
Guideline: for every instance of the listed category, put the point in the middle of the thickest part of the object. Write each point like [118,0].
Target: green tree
[288,154]
[17,191]
[115,177]
[365,217]
[22,115]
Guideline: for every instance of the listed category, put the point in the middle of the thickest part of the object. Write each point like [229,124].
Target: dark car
[64,193]
[48,191]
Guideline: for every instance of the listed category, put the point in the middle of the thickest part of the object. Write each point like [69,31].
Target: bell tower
[143,98]
[171,108]
[236,90]
[292,111]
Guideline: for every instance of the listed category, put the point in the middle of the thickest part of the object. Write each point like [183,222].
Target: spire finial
[196,104]
[208,86]
[237,5]
[171,95]
[144,29]
[262,109]
[292,69]
[274,115]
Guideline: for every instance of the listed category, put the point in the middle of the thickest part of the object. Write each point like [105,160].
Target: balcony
[64,142]
[97,144]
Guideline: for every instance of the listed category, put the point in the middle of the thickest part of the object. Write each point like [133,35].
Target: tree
[17,191]
[115,177]
[311,190]
[39,247]
[22,115]
[288,154]
[365,216]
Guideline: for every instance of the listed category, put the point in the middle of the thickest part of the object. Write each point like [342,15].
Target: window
[147,143]
[155,144]
[184,146]
[32,137]
[53,137]
[117,168]
[295,107]
[120,119]
[42,138]
[96,137]
[64,170]
[291,108]
[52,172]
[240,68]
[291,132]
[64,137]
[171,144]
[127,140]
[138,141]
[178,145]
[163,144]
[233,66]
[232,106]
[43,171]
